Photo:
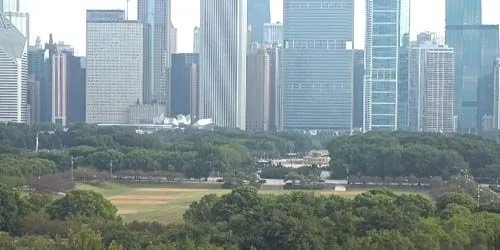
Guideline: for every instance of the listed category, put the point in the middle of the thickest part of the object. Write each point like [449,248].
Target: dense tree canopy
[414,154]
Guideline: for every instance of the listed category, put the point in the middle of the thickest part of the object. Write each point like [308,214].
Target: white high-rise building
[60,71]
[13,73]
[273,33]
[9,5]
[223,39]
[115,66]
[431,88]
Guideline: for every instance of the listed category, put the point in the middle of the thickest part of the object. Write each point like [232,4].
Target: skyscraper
[36,72]
[114,66]
[157,15]
[318,65]
[185,84]
[223,62]
[258,97]
[431,88]
[463,12]
[358,80]
[59,73]
[76,89]
[275,87]
[173,39]
[273,33]
[259,13]
[196,40]
[9,5]
[476,48]
[13,73]
[386,64]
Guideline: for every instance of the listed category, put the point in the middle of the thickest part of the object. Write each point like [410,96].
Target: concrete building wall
[114,69]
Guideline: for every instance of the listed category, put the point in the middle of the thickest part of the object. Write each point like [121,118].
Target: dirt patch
[126,211]
[170,190]
[139,199]
[137,202]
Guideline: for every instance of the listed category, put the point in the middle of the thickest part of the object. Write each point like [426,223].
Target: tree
[12,209]
[115,246]
[84,239]
[461,199]
[82,203]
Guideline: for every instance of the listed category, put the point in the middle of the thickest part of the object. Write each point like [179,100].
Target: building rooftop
[12,41]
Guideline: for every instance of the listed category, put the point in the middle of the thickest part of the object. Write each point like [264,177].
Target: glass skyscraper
[463,12]
[476,47]
[156,15]
[318,65]
[259,13]
[386,65]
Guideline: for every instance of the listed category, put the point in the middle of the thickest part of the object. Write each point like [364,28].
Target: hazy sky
[66,18]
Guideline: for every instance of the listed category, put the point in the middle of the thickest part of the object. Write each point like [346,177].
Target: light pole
[478,195]
[72,177]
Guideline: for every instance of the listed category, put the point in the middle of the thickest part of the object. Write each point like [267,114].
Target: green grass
[167,202]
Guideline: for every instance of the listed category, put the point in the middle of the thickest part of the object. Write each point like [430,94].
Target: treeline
[193,153]
[245,219]
[421,155]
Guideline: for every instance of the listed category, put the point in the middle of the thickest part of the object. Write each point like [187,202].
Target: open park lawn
[166,203]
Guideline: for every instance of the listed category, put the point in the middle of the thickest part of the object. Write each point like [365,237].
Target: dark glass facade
[36,69]
[258,13]
[359,76]
[185,84]
[76,90]
[476,48]
[318,65]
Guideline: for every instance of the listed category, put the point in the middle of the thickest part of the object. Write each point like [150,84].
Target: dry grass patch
[126,211]
[171,190]
[140,199]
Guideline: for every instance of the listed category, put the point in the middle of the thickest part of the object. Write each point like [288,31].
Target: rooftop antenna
[126,15]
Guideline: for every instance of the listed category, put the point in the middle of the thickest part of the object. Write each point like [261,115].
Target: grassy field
[166,203]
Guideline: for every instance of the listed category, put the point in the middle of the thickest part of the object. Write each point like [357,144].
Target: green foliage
[422,155]
[461,199]
[82,203]
[12,209]
[84,239]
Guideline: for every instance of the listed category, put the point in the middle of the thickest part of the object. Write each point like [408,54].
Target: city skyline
[426,15]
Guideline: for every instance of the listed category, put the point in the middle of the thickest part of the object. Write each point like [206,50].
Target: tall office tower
[9,5]
[59,73]
[318,65]
[185,84]
[13,73]
[431,88]
[258,97]
[358,76]
[273,33]
[463,12]
[36,73]
[196,40]
[68,87]
[386,64]
[223,39]
[496,94]
[114,66]
[275,87]
[76,89]
[156,14]
[476,48]
[33,100]
[259,13]
[173,39]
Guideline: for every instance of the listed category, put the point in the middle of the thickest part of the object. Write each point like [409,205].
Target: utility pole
[72,177]
[111,168]
[478,195]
